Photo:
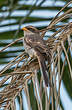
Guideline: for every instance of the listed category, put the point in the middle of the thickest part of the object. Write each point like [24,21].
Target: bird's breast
[28,49]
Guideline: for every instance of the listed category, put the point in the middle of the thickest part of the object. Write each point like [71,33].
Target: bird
[36,47]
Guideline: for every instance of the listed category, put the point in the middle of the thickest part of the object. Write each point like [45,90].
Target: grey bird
[35,46]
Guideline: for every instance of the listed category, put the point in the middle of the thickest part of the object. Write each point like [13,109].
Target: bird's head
[30,30]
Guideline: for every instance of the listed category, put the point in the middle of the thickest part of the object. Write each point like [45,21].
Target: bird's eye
[31,29]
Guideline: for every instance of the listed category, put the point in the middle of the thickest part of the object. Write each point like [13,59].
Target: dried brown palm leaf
[12,83]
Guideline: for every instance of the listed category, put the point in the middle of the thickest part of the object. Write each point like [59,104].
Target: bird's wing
[35,41]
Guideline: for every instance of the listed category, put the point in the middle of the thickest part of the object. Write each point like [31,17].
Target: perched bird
[35,46]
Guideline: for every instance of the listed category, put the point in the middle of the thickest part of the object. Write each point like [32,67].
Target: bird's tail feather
[43,68]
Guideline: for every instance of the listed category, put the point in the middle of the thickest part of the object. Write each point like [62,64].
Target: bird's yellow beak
[25,29]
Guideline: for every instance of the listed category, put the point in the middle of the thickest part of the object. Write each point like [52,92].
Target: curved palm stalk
[25,70]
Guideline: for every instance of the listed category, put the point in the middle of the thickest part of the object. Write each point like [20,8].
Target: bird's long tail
[43,68]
